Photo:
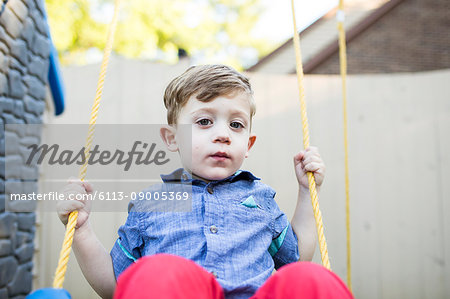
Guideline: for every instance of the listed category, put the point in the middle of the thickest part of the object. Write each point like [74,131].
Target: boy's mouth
[220,156]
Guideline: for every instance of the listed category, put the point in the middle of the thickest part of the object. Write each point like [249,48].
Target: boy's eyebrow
[239,113]
[203,110]
[211,110]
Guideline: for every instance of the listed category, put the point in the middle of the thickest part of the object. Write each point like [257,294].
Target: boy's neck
[194,176]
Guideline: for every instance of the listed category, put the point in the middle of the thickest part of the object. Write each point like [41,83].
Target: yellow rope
[343,67]
[311,181]
[70,228]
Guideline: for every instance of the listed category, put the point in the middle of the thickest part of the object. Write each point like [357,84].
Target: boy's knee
[311,280]
[303,270]
[164,267]
[162,258]
[165,264]
[169,276]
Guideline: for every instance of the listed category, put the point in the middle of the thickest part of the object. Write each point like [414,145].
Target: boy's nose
[222,135]
[222,139]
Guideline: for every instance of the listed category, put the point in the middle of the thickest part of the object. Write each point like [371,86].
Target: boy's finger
[88,187]
[299,156]
[313,166]
[73,180]
[85,200]
[73,188]
[311,153]
[82,187]
[312,149]
[70,206]
[76,181]
[310,159]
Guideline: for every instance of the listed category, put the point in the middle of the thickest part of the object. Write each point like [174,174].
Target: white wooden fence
[399,134]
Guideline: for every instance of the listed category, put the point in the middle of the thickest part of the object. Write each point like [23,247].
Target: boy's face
[220,135]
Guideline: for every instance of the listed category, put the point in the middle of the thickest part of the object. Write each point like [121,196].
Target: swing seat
[49,293]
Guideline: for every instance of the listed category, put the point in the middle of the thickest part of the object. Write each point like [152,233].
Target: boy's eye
[236,125]
[204,122]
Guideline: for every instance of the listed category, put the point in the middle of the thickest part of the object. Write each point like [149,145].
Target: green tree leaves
[211,31]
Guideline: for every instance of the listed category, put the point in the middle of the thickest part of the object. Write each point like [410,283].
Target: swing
[343,70]
[312,187]
[58,292]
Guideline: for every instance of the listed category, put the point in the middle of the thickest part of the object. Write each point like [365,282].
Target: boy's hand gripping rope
[312,182]
[70,227]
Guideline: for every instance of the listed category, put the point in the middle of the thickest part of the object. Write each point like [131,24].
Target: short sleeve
[126,249]
[284,246]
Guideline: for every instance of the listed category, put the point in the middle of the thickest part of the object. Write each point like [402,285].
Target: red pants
[169,276]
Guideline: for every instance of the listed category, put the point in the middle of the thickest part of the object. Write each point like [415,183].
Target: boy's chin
[215,174]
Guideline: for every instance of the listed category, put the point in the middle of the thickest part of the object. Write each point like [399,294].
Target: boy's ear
[168,134]
[251,142]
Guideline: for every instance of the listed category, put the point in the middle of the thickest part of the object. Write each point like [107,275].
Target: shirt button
[184,176]
[210,190]
[213,229]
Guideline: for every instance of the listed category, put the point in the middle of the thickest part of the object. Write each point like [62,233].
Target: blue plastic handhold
[49,293]
[55,80]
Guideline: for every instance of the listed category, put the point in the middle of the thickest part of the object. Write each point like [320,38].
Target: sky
[276,22]
[274,25]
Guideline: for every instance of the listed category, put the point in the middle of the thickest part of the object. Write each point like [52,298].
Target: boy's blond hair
[206,82]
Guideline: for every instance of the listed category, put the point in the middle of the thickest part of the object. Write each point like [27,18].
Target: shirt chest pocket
[250,202]
[249,214]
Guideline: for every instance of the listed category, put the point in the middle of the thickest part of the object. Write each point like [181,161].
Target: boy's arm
[303,222]
[304,225]
[94,261]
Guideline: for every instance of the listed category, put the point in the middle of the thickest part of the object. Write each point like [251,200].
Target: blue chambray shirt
[234,230]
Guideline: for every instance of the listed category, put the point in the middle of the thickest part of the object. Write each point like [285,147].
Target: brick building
[25,52]
[382,37]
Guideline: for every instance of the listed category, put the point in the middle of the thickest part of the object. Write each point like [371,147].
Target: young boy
[235,232]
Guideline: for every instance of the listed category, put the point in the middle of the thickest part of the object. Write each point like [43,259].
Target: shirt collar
[181,175]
